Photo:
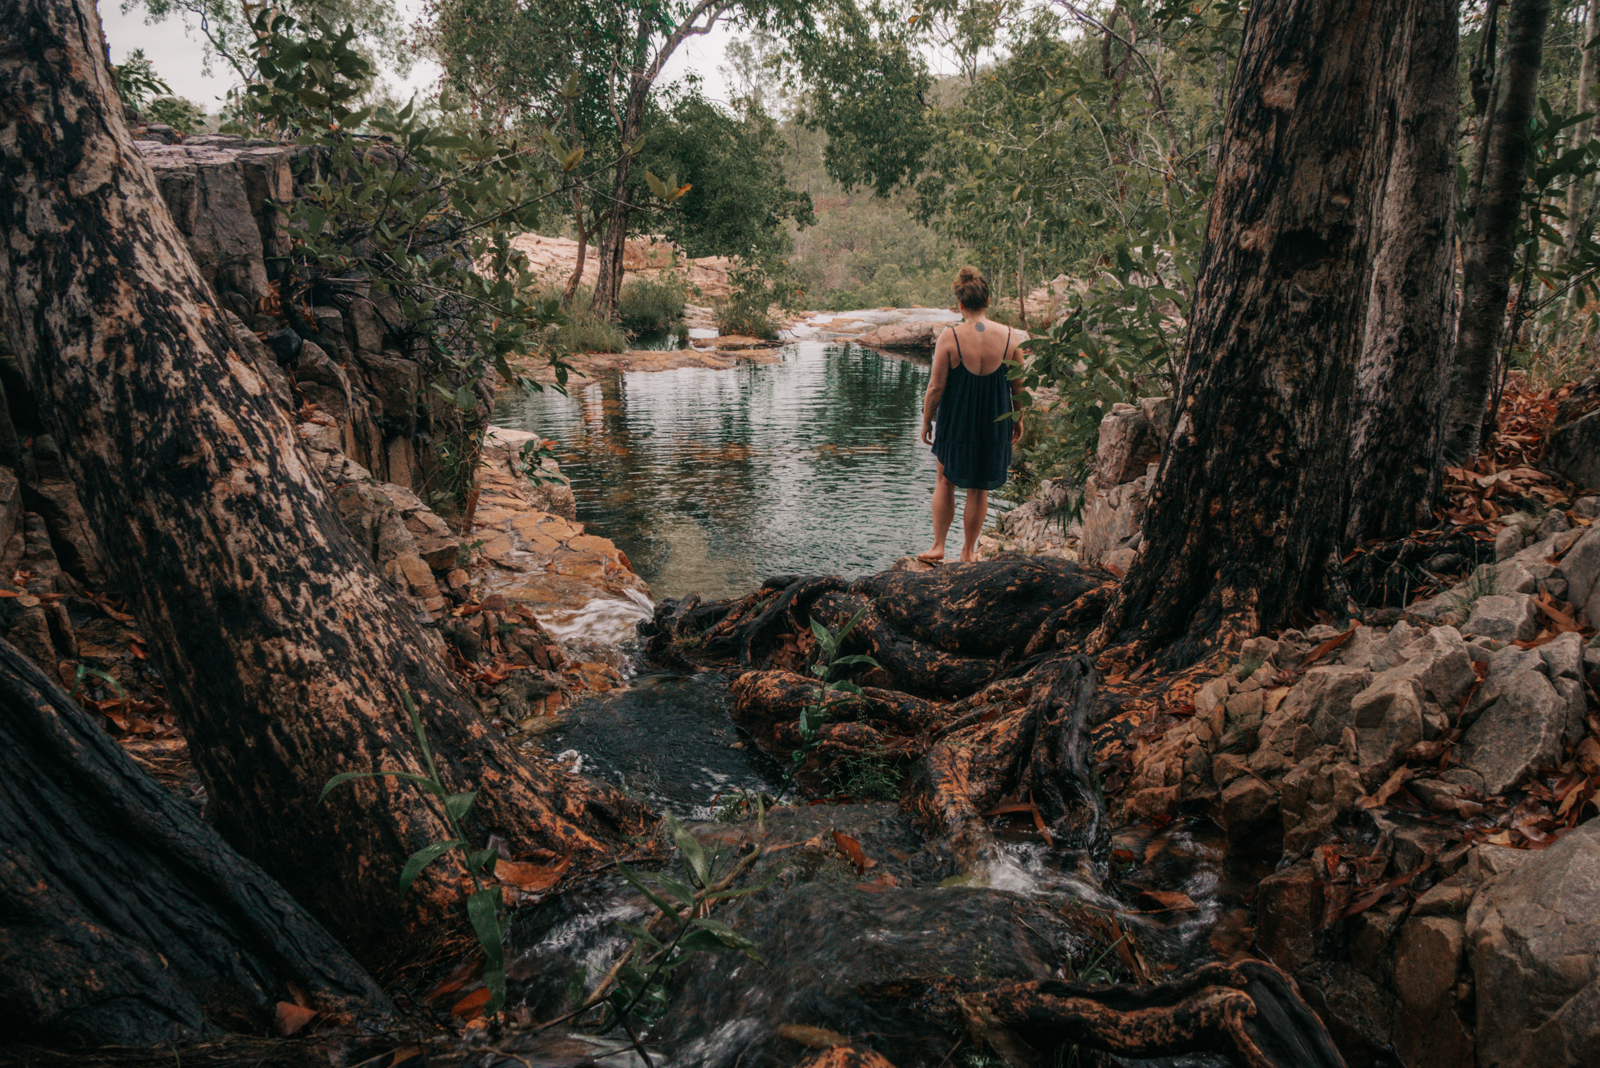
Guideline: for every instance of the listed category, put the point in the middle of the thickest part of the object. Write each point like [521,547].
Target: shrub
[652,305]
[586,331]
[182,115]
[745,317]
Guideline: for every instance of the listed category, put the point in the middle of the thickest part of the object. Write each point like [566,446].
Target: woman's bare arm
[936,380]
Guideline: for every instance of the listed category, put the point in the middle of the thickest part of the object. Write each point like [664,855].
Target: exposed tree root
[1251,1009]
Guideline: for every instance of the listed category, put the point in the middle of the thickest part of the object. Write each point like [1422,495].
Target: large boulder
[222,193]
[1530,707]
[912,335]
[1572,445]
[1534,939]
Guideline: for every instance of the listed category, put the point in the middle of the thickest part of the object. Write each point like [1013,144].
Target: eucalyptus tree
[227,26]
[1244,516]
[586,73]
[285,655]
[1494,203]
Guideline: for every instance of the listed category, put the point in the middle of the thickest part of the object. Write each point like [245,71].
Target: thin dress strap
[1006,351]
[957,339]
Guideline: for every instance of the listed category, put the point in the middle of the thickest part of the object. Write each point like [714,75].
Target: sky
[176,56]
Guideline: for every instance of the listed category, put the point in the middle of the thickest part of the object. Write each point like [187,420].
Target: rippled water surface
[711,480]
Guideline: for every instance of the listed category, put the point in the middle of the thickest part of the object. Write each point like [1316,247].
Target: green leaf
[456,806]
[483,910]
[691,850]
[346,776]
[421,859]
[676,887]
[667,908]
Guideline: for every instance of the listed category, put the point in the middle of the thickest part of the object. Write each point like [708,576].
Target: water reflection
[712,480]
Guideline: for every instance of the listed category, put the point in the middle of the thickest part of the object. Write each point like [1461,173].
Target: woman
[969,391]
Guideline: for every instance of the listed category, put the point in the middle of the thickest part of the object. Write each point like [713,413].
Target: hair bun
[971,291]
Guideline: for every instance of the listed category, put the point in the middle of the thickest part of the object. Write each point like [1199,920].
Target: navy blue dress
[969,437]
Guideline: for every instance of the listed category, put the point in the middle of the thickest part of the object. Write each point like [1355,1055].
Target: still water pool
[711,480]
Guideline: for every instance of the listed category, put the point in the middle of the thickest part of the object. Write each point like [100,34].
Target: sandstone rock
[1581,566]
[1357,1011]
[364,327]
[1534,938]
[1428,1031]
[1037,525]
[1508,542]
[204,189]
[1315,793]
[910,335]
[10,505]
[1387,718]
[1261,650]
[1289,906]
[1520,721]
[1587,508]
[1448,897]
[1321,699]
[1572,444]
[1503,617]
[1127,446]
[1159,411]
[1247,806]
[1430,952]
[1111,517]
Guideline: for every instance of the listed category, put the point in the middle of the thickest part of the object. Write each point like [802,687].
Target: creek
[711,481]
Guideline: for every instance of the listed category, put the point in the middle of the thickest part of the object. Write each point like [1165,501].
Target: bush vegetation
[652,305]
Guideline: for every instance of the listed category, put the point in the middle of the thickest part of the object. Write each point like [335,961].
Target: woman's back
[981,347]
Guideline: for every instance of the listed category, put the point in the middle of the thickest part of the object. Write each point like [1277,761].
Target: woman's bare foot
[934,555]
[968,557]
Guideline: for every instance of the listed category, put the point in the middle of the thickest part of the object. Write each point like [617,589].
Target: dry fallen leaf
[289,1018]
[852,851]
[1169,900]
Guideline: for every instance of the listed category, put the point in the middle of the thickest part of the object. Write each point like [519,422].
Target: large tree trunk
[1489,249]
[1247,507]
[283,651]
[1398,422]
[124,918]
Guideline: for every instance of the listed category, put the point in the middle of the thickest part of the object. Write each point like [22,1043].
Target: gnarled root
[1251,1009]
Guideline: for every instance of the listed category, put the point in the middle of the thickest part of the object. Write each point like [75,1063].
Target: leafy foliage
[830,643]
[137,80]
[738,203]
[181,114]
[683,929]
[653,305]
[419,213]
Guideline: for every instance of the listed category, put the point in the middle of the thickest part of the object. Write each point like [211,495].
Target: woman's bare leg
[972,517]
[944,511]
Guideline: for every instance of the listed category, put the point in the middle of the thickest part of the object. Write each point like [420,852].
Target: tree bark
[1397,434]
[1489,248]
[614,242]
[1248,503]
[124,918]
[282,650]
[1585,129]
